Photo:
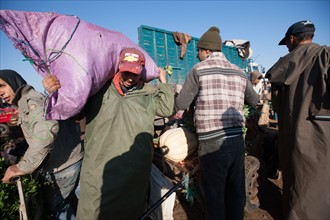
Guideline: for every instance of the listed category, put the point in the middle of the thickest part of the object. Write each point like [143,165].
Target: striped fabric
[220,101]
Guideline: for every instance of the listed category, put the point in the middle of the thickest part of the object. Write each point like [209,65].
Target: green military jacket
[119,150]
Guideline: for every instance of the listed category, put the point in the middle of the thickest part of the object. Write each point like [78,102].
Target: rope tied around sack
[43,64]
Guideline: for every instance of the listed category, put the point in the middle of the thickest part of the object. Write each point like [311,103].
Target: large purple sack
[83,56]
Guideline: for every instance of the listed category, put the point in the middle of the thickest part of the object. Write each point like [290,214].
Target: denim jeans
[223,177]
[62,192]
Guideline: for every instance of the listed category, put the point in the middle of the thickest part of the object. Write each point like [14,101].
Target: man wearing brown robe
[301,97]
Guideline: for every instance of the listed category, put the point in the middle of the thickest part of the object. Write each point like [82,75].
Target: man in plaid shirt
[219,90]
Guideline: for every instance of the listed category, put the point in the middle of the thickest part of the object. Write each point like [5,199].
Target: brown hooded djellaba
[301,97]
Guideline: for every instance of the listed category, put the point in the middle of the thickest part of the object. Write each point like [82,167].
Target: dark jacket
[300,95]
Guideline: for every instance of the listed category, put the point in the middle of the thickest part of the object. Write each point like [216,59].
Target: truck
[160,44]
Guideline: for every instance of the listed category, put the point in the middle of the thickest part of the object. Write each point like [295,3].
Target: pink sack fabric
[82,55]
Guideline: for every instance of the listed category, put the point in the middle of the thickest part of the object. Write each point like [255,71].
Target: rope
[57,54]
[53,56]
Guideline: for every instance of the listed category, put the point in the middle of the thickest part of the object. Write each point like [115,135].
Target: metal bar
[163,198]
[322,117]
[22,207]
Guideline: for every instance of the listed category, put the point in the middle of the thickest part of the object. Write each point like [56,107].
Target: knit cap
[211,40]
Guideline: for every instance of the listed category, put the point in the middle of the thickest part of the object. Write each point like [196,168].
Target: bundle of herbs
[11,149]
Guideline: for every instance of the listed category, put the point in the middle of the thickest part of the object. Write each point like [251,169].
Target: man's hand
[162,75]
[51,83]
[11,172]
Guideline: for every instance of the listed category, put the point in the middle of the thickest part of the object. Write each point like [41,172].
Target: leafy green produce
[9,198]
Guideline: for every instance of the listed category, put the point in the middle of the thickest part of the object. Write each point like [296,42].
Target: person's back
[301,98]
[219,104]
[219,90]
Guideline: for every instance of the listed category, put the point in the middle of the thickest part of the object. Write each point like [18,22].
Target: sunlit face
[6,92]
[129,79]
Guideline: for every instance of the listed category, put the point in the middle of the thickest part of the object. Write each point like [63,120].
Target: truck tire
[4,130]
[252,165]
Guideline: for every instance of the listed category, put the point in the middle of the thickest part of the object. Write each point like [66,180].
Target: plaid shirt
[220,89]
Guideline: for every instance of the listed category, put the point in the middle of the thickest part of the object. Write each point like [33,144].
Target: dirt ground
[269,209]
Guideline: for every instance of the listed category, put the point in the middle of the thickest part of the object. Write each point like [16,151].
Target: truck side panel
[162,48]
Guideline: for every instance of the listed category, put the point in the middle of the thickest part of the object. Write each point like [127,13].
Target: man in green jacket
[119,141]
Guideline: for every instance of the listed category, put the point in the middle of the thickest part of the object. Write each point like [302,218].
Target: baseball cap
[131,60]
[299,27]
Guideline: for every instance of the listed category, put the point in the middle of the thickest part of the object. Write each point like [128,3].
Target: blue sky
[263,23]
